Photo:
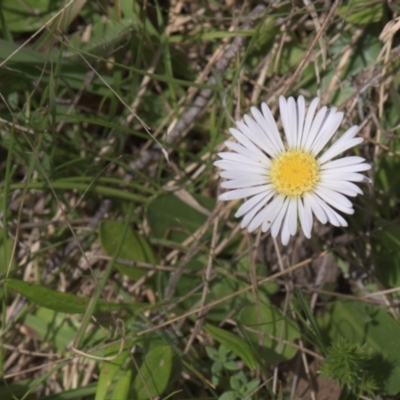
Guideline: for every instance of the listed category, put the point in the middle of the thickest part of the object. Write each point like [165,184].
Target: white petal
[243,183]
[301,110]
[305,216]
[251,203]
[336,197]
[351,177]
[263,139]
[349,168]
[343,162]
[276,225]
[271,124]
[347,188]
[291,217]
[286,120]
[242,139]
[293,118]
[252,212]
[285,235]
[329,212]
[308,122]
[333,217]
[328,130]
[315,207]
[315,127]
[365,179]
[251,215]
[346,141]
[243,175]
[264,131]
[261,216]
[245,192]
[336,200]
[238,158]
[249,133]
[234,166]
[261,158]
[271,211]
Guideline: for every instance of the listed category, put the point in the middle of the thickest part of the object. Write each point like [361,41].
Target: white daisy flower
[293,180]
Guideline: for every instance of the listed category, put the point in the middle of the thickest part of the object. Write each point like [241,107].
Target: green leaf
[269,321]
[373,327]
[386,255]
[26,16]
[390,237]
[363,53]
[154,374]
[233,343]
[63,302]
[82,392]
[361,12]
[6,248]
[169,217]
[58,329]
[105,35]
[123,385]
[134,248]
[109,370]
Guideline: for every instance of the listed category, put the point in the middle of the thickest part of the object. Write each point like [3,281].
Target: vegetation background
[122,277]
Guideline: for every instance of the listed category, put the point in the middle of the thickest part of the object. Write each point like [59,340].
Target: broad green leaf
[6,248]
[26,16]
[33,7]
[134,248]
[154,374]
[63,302]
[109,370]
[59,329]
[390,237]
[386,255]
[171,218]
[22,55]
[105,35]
[292,54]
[233,343]
[18,390]
[361,12]
[188,282]
[269,321]
[123,385]
[378,331]
[364,52]
[221,288]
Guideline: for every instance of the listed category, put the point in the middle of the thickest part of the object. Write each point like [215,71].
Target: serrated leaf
[154,374]
[233,343]
[269,321]
[134,248]
[373,327]
[63,302]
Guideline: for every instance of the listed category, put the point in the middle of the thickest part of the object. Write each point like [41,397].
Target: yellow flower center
[294,173]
